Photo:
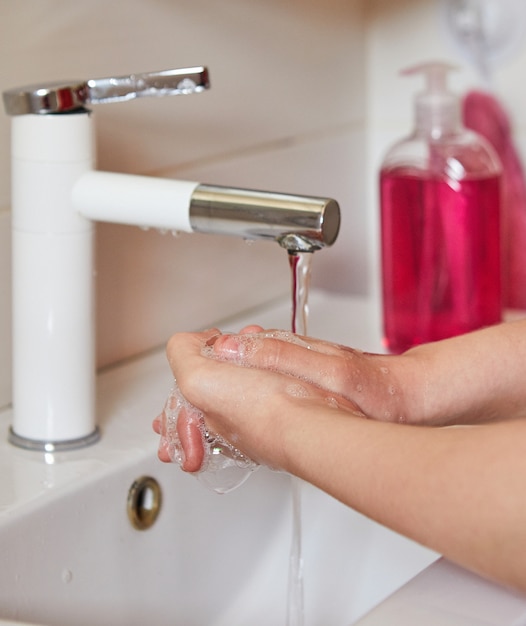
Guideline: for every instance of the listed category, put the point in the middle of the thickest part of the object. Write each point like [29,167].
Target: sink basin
[71,556]
[208,559]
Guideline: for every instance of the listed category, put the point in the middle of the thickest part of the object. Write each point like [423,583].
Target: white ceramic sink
[208,560]
[70,555]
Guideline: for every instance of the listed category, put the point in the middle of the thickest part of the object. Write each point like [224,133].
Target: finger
[156,424]
[342,371]
[189,346]
[253,328]
[250,338]
[191,438]
[314,360]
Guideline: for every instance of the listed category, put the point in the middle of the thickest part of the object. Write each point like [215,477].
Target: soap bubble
[224,466]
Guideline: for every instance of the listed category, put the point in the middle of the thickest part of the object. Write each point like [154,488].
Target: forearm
[456,490]
[468,379]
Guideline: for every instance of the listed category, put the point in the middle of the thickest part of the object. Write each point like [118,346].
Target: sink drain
[144,502]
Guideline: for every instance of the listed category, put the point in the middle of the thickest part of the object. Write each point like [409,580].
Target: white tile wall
[389,49]
[305,98]
[279,69]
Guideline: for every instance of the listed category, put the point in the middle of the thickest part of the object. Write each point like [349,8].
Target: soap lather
[224,467]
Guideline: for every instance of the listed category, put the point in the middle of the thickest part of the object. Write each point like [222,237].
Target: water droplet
[332,402]
[384,370]
[67,576]
[392,390]
[187,86]
[359,388]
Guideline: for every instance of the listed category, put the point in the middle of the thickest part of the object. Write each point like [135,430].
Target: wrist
[387,388]
[413,373]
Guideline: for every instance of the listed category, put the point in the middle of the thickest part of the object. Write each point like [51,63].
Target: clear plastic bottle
[440,215]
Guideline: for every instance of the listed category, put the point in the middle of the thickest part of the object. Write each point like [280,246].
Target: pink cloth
[484,114]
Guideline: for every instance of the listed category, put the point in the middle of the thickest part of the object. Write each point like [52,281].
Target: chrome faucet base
[36,445]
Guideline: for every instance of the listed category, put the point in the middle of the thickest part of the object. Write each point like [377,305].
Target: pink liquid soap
[440,255]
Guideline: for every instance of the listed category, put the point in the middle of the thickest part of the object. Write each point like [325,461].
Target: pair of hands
[300,406]
[254,389]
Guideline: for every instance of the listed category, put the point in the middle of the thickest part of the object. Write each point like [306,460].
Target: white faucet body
[53,285]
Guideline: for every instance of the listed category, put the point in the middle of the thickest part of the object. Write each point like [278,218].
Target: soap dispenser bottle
[440,224]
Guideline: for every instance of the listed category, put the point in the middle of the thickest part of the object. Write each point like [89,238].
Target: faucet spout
[297,223]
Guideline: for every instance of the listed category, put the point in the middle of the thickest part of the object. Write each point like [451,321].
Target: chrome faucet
[57,195]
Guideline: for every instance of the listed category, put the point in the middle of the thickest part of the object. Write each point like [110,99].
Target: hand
[245,383]
[373,383]
[299,406]
[468,379]
[246,406]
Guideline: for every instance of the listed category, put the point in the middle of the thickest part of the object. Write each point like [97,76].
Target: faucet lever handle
[69,96]
[164,83]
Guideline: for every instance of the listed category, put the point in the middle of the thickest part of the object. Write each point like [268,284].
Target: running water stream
[300,264]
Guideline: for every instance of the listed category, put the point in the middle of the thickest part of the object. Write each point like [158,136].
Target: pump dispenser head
[437,109]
